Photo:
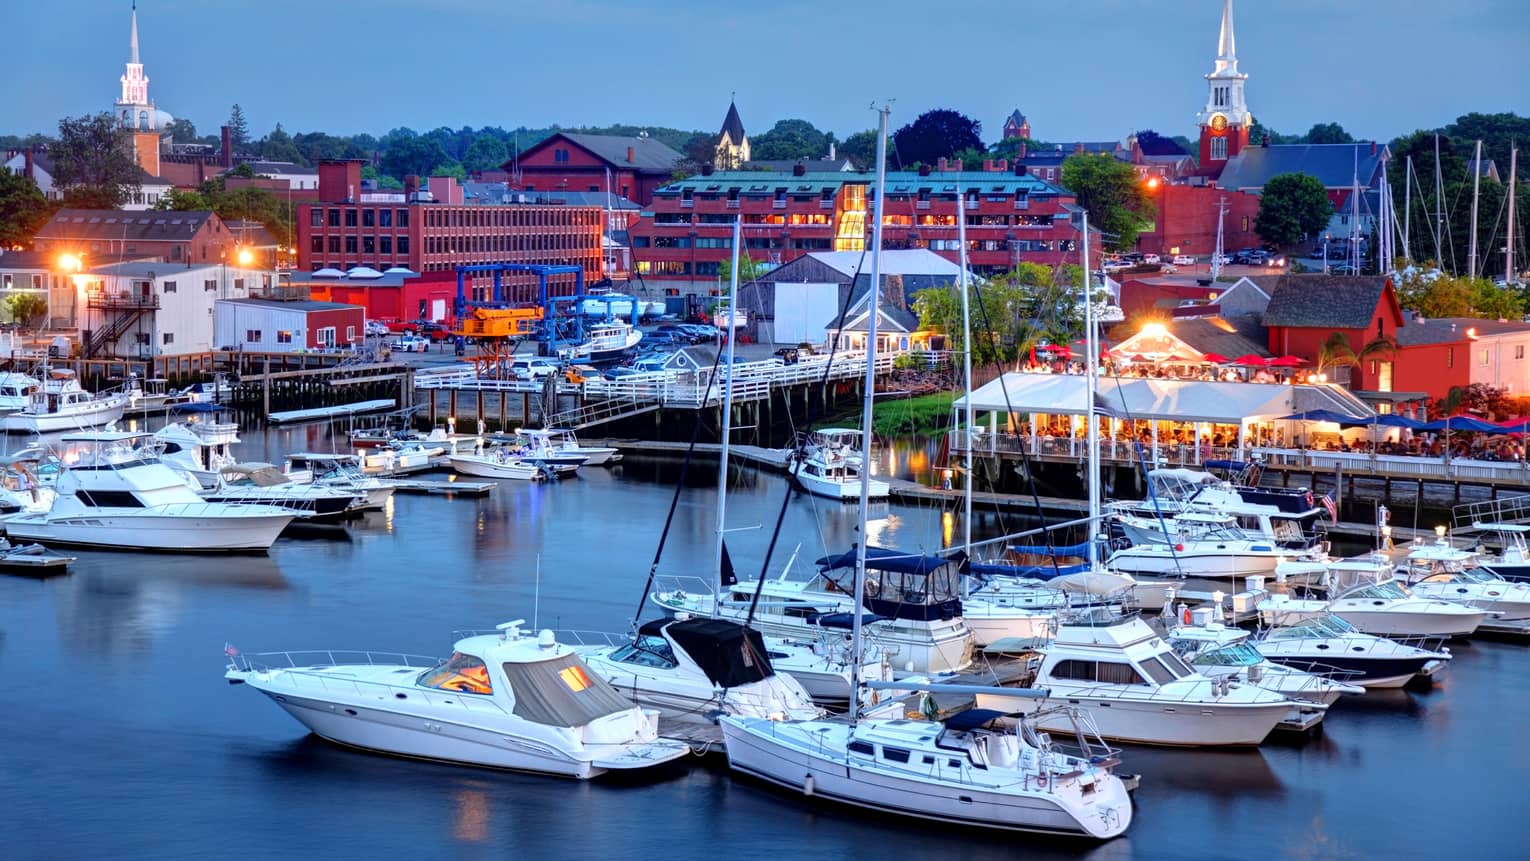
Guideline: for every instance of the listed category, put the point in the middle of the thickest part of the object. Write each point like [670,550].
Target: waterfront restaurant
[1181,421]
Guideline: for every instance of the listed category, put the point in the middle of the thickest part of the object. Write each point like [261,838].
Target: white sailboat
[963,771]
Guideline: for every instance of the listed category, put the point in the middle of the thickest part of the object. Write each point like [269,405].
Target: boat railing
[578,637]
[684,585]
[320,658]
[208,509]
[316,674]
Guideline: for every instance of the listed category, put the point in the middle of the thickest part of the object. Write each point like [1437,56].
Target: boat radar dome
[547,639]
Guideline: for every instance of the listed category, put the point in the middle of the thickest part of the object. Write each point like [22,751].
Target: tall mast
[1508,248]
[1439,213]
[875,298]
[967,418]
[1471,244]
[1407,209]
[727,417]
[1216,255]
[1092,430]
[1354,217]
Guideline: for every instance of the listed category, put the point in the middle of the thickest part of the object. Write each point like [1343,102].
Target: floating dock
[443,488]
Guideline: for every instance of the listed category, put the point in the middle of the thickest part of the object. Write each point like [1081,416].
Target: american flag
[1333,510]
[228,649]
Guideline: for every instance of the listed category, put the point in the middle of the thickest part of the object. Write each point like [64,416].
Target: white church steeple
[133,109]
[1226,120]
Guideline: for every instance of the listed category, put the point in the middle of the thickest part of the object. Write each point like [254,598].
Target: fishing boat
[61,405]
[114,493]
[1513,561]
[609,341]
[1447,573]
[264,484]
[1328,644]
[16,391]
[1376,604]
[565,441]
[339,471]
[536,447]
[506,700]
[497,462]
[827,465]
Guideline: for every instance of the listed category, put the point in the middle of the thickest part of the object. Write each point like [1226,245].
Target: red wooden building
[631,167]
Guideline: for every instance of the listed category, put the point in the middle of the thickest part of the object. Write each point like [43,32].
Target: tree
[749,269]
[1336,352]
[1110,191]
[412,156]
[861,149]
[1328,133]
[790,139]
[485,153]
[238,128]
[452,169]
[183,130]
[1498,133]
[1010,313]
[1445,296]
[1153,143]
[93,161]
[934,135]
[279,146]
[23,209]
[1292,205]
[26,308]
[181,200]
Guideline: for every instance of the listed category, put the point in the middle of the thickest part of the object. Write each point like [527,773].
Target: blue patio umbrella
[1321,416]
[1396,421]
[1457,424]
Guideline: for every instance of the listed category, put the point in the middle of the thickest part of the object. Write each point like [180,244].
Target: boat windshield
[1239,655]
[461,673]
[1467,575]
[1387,589]
[1318,628]
[647,651]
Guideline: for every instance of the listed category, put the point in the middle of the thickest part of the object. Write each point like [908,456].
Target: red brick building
[632,167]
[412,230]
[1011,217]
[112,235]
[1186,222]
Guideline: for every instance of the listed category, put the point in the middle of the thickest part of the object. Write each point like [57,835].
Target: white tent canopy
[1154,399]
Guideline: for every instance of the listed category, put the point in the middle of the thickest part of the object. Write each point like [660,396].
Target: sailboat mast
[727,417]
[1091,381]
[875,299]
[1439,214]
[1408,209]
[1354,217]
[1508,248]
[1216,254]
[1471,244]
[967,418]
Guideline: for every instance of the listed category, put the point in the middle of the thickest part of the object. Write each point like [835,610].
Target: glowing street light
[71,262]
[245,257]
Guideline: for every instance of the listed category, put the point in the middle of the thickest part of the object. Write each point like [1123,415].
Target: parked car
[1151,258]
[427,328]
[533,367]
[1183,260]
[410,344]
[376,327]
[668,338]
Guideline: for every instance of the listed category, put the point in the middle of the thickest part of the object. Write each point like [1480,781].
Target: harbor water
[121,739]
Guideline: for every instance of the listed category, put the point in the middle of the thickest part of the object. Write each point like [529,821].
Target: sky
[1080,69]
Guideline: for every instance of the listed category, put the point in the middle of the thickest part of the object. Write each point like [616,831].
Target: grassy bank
[923,414]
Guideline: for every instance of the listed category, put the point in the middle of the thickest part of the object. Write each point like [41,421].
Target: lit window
[575,678]
[283,336]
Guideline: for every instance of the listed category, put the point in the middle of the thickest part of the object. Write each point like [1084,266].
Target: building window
[1450,357]
[238,283]
[403,244]
[384,218]
[368,245]
[385,244]
[169,337]
[252,336]
[401,217]
[334,218]
[350,245]
[350,334]
[560,156]
[1482,357]
[316,218]
[283,336]
[369,218]
[1219,148]
[169,287]
[210,286]
[316,244]
[350,218]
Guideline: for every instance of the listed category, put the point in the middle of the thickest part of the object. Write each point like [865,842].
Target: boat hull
[96,415]
[488,468]
[150,531]
[1163,722]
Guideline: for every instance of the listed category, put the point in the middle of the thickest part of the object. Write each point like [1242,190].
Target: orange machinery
[497,331]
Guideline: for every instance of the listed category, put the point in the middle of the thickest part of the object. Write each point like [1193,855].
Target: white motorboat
[695,670]
[536,447]
[1288,518]
[22,485]
[201,449]
[503,701]
[61,405]
[827,466]
[911,606]
[340,471]
[565,441]
[1512,563]
[1384,607]
[604,342]
[1209,551]
[16,391]
[1134,687]
[497,463]
[1447,573]
[264,484]
[1219,651]
[1330,645]
[115,493]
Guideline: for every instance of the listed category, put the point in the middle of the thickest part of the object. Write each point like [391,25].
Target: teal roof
[898,182]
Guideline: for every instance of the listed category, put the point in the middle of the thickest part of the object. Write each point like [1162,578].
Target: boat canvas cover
[897,561]
[728,652]
[973,718]
[561,692]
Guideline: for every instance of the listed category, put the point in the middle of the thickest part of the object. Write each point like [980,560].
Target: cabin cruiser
[1513,562]
[26,485]
[200,449]
[1134,687]
[968,770]
[1447,573]
[339,472]
[694,670]
[1209,551]
[1364,593]
[911,606]
[565,441]
[264,484]
[1329,645]
[506,700]
[604,342]
[497,462]
[1287,518]
[16,391]
[829,465]
[61,405]
[115,493]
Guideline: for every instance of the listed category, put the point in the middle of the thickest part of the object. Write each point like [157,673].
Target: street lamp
[1327,237]
[245,257]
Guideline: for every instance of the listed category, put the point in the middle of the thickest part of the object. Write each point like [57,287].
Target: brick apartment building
[433,231]
[1012,216]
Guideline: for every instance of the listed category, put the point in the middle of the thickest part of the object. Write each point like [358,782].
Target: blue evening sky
[1094,69]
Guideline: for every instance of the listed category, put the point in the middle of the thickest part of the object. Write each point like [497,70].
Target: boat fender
[1184,614]
[1041,781]
[807,785]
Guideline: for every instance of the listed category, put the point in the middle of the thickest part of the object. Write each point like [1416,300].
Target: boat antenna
[875,306]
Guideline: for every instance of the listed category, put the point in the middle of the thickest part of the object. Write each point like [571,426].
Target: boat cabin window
[1386,589]
[461,673]
[860,747]
[1238,655]
[1104,672]
[647,651]
[1173,662]
[894,754]
[1157,671]
[109,499]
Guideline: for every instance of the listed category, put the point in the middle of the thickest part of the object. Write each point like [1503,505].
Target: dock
[447,487]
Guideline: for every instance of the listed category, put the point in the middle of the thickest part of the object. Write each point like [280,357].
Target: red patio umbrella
[1286,362]
[1215,359]
[1173,358]
[1251,359]
[1138,358]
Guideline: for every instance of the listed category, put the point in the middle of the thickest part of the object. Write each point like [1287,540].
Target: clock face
[1218,123]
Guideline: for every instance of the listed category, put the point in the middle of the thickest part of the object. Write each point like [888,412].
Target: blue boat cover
[843,621]
[897,561]
[1032,572]
[1231,465]
[973,718]
[1081,549]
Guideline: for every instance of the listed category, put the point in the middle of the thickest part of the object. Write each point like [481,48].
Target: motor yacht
[1288,518]
[1512,563]
[1329,645]
[341,472]
[263,484]
[695,670]
[16,391]
[1209,551]
[1381,606]
[61,405]
[828,466]
[1134,687]
[1447,573]
[201,449]
[506,700]
[115,493]
[911,605]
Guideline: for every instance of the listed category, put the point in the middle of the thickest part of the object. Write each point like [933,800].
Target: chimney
[228,148]
[831,151]
[1024,150]
[26,170]
[1020,169]
[956,165]
[1373,147]
[631,155]
[799,169]
[1002,166]
[411,186]
[988,165]
[924,170]
[941,164]
[706,170]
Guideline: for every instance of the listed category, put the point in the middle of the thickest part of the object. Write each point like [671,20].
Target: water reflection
[471,822]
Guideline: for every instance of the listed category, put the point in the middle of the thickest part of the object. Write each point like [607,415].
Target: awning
[1151,399]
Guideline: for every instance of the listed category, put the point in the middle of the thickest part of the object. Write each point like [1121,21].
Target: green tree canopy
[26,308]
[279,146]
[485,153]
[934,135]
[93,161]
[861,149]
[1446,296]
[183,130]
[1112,194]
[413,155]
[1010,313]
[238,127]
[749,269]
[790,139]
[1328,133]
[23,209]
[1293,205]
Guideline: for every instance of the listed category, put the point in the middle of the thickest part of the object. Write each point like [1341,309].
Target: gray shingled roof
[121,225]
[1450,330]
[1335,165]
[1333,301]
[647,153]
[1230,337]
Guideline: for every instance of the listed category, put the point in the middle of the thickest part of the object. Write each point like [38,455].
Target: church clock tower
[134,110]
[1226,120]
